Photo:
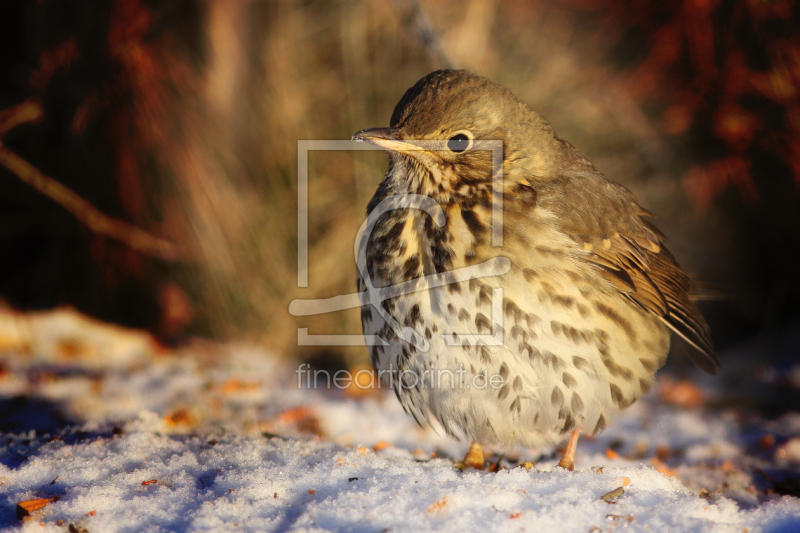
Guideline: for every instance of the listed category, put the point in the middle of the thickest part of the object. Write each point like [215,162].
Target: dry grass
[334,69]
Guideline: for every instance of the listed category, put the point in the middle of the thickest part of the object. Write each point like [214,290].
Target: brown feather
[636,263]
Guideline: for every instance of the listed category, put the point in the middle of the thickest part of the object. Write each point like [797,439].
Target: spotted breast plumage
[515,295]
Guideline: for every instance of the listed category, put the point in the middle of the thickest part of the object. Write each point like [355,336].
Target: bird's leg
[568,460]
[474,458]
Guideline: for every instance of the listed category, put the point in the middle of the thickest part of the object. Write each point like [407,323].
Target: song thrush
[589,296]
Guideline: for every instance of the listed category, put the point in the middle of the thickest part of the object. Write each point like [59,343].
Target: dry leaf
[25,508]
[181,417]
[680,393]
[438,505]
[233,386]
[663,468]
[611,496]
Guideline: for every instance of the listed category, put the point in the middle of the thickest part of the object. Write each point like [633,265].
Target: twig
[27,111]
[85,212]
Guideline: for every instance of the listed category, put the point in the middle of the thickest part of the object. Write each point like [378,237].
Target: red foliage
[724,75]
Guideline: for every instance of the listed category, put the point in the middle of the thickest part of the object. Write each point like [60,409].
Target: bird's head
[452,131]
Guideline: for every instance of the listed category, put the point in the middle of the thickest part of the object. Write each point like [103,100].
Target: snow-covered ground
[107,432]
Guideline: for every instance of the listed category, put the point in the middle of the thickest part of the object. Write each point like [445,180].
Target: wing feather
[628,251]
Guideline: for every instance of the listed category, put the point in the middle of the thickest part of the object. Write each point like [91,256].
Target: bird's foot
[567,462]
[474,458]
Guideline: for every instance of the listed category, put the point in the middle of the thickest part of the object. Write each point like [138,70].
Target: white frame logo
[376,295]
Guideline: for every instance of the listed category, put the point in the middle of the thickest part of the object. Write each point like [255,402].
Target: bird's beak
[389,139]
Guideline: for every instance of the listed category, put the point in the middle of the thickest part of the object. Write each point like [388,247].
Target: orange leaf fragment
[419,454]
[295,413]
[474,457]
[233,386]
[149,482]
[663,468]
[25,508]
[662,452]
[438,505]
[302,417]
[382,445]
[680,393]
[181,417]
[611,454]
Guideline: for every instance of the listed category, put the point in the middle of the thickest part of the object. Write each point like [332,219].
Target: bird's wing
[628,252]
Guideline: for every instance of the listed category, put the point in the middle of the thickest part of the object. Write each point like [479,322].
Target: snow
[132,437]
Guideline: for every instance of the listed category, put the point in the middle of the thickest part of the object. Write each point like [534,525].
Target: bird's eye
[458,143]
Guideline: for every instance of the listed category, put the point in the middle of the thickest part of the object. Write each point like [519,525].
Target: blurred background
[173,126]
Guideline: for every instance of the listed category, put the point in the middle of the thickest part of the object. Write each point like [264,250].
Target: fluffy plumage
[586,308]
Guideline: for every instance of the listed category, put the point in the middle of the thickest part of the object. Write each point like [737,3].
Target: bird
[510,292]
